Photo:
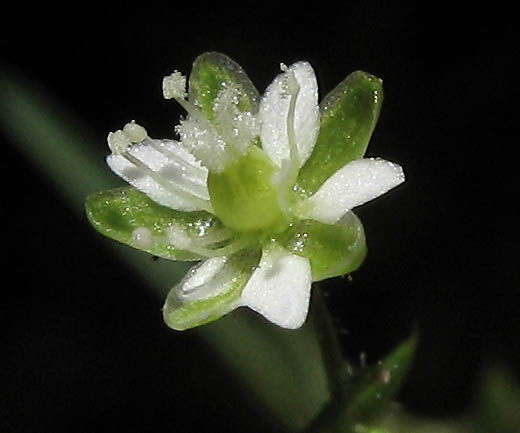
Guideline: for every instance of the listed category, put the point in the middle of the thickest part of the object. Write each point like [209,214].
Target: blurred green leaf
[57,143]
[497,410]
[349,114]
[498,404]
[396,420]
[367,394]
[374,387]
[63,149]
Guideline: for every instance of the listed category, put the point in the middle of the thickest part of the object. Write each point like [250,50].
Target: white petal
[279,289]
[274,108]
[173,176]
[356,183]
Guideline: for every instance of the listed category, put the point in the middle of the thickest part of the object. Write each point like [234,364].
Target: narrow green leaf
[333,250]
[349,114]
[211,73]
[116,213]
[63,149]
[57,144]
[230,281]
[374,387]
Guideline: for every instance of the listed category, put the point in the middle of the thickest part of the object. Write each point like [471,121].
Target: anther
[118,142]
[135,132]
[174,86]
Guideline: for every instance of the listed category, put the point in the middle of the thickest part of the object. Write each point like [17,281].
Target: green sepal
[211,73]
[373,387]
[116,213]
[349,115]
[237,270]
[332,250]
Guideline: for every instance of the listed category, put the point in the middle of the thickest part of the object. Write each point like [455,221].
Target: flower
[259,190]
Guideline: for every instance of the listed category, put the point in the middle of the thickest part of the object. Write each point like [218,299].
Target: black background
[85,348]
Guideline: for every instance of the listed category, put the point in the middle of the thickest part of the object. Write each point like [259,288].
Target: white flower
[175,174]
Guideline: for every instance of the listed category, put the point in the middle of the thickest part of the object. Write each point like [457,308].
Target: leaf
[349,114]
[333,250]
[498,406]
[117,213]
[59,145]
[211,73]
[396,420]
[374,387]
[228,281]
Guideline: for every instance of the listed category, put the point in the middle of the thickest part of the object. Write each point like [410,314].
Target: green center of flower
[243,195]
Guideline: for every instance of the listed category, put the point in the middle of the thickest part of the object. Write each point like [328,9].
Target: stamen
[216,236]
[203,141]
[118,142]
[201,203]
[192,166]
[227,250]
[177,236]
[226,111]
[135,132]
[221,141]
[174,86]
[236,127]
[284,178]
[293,89]
[206,280]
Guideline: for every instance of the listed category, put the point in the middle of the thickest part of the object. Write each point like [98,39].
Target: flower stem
[338,369]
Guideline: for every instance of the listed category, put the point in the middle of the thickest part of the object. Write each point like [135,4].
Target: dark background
[83,356]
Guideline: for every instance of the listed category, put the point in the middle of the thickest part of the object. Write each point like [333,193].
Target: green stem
[338,369]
